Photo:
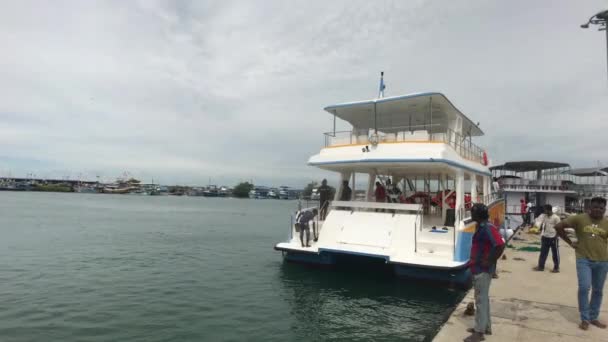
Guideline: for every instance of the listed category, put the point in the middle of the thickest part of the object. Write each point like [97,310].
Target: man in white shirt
[549,239]
[529,212]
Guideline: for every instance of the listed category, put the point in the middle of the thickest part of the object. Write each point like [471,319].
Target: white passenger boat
[424,144]
[259,192]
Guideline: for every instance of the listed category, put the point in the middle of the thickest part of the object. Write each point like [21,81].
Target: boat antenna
[382,85]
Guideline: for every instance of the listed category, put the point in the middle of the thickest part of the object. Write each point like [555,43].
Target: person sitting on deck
[486,248]
[302,220]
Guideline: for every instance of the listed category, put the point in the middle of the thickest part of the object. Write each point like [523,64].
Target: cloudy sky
[190,91]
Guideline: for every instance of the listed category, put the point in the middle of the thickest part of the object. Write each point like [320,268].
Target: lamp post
[600,19]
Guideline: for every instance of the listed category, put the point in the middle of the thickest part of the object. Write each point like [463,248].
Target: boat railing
[308,204]
[461,215]
[464,213]
[488,199]
[419,214]
[365,206]
[522,184]
[459,142]
[305,205]
[463,146]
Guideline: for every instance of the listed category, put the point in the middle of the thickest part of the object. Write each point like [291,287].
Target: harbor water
[91,267]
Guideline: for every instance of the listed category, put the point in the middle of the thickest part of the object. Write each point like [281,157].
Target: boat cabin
[422,142]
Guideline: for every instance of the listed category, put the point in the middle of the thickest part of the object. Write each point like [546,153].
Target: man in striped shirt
[486,248]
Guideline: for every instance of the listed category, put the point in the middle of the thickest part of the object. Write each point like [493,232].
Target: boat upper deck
[465,148]
[414,118]
[432,110]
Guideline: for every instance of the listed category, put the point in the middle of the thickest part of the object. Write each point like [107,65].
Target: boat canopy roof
[432,110]
[527,166]
[589,172]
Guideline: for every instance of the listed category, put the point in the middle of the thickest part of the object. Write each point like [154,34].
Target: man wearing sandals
[591,231]
[486,248]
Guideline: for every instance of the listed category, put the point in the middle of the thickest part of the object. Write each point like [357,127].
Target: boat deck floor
[439,237]
[414,258]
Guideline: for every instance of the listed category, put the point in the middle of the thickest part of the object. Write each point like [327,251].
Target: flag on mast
[382,85]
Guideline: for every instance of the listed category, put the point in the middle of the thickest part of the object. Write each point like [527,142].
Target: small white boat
[314,195]
[211,191]
[286,193]
[425,145]
[273,193]
[259,192]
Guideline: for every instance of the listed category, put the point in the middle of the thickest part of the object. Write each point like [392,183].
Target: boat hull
[322,258]
[459,277]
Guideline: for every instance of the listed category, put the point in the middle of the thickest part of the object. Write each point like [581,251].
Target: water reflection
[362,304]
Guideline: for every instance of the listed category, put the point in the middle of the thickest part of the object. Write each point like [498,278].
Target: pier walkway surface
[528,305]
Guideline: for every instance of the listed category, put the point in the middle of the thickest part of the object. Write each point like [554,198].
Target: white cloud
[186,91]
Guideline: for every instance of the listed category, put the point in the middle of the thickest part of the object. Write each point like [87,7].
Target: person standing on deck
[549,240]
[303,219]
[392,191]
[346,192]
[380,194]
[523,210]
[324,192]
[591,246]
[486,248]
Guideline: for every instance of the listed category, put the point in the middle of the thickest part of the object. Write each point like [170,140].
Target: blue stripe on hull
[459,277]
[311,258]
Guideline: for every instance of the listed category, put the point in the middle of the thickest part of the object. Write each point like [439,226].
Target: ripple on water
[129,268]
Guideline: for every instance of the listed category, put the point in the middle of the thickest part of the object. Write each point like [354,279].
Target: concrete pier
[527,305]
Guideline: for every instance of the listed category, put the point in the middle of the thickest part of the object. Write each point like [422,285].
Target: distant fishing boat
[211,191]
[122,186]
